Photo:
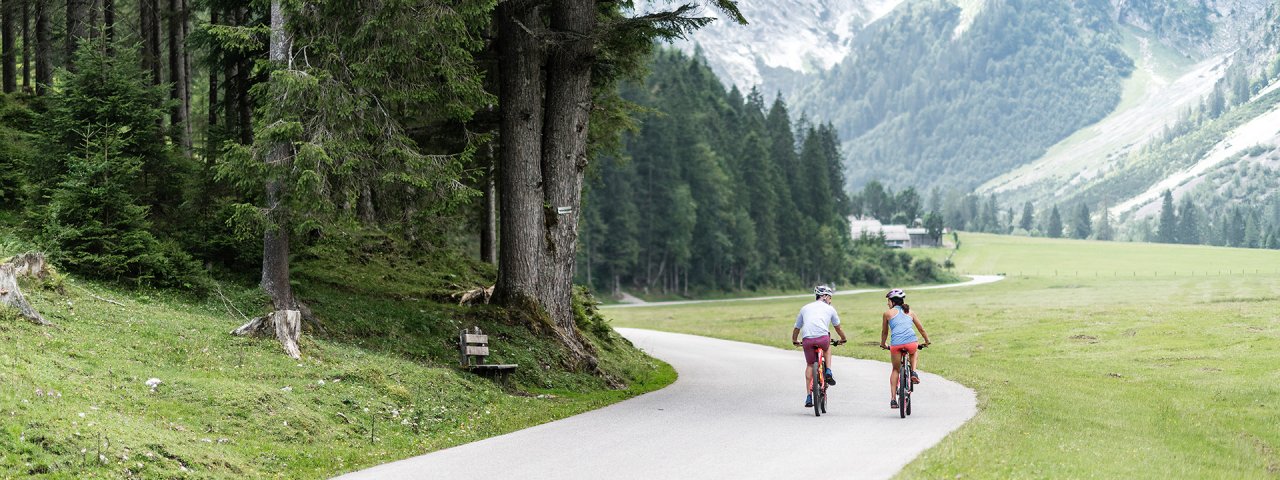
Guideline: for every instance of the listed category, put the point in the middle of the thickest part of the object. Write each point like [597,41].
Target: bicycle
[818,384]
[905,386]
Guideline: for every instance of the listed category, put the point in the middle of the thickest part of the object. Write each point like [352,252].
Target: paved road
[974,280]
[736,412]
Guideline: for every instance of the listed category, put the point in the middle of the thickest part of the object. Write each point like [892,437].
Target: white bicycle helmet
[896,293]
[821,290]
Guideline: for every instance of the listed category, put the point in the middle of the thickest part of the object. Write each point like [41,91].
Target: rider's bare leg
[808,378]
[827,355]
[893,375]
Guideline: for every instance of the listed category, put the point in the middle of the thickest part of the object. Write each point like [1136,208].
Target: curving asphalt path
[735,412]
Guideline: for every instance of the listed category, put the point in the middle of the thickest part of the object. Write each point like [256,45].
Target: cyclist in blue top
[903,325]
[815,321]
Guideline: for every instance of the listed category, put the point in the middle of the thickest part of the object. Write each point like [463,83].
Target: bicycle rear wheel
[903,397]
[911,388]
[816,390]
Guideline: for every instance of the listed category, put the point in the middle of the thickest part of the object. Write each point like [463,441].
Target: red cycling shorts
[910,347]
[811,346]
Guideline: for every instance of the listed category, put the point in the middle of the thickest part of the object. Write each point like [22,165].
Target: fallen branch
[95,297]
[227,303]
[470,296]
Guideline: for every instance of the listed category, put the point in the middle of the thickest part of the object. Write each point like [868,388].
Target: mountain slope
[785,38]
[1163,87]
[921,105]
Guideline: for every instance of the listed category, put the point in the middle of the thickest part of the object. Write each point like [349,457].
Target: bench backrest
[474,346]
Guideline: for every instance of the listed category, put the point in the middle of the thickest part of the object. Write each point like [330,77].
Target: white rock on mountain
[799,35]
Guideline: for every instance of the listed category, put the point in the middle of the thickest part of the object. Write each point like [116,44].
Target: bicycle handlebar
[834,343]
[921,347]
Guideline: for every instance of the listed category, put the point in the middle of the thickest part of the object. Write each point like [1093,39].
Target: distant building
[895,236]
[920,238]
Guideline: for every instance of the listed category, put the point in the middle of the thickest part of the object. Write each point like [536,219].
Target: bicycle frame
[905,387]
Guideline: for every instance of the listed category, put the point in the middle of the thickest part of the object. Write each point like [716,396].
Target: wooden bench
[474,346]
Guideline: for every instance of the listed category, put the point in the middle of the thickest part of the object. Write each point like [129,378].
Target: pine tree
[792,191]
[1104,230]
[1082,225]
[876,201]
[1054,228]
[1167,231]
[1188,223]
[1027,217]
[95,224]
[933,224]
[1236,228]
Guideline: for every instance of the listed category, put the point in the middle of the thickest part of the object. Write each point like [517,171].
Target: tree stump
[31,265]
[285,325]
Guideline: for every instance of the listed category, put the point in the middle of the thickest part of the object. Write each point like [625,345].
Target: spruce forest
[716,190]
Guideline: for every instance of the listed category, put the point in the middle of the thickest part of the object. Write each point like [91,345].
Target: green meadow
[1091,359]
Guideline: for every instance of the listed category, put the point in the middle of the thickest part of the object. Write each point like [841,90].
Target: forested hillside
[720,191]
[918,103]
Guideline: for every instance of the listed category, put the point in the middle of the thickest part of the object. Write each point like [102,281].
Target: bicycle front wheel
[816,390]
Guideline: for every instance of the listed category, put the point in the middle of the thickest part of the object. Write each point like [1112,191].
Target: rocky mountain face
[787,40]
[784,38]
[1198,28]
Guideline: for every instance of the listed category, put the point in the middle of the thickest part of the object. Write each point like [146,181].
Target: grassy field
[380,385]
[1132,368]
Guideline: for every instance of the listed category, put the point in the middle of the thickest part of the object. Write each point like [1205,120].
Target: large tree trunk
[8,43]
[229,75]
[522,216]
[179,124]
[564,152]
[285,321]
[77,28]
[149,20]
[210,136]
[109,23]
[520,90]
[26,45]
[44,49]
[489,231]
[31,265]
[91,10]
[186,69]
[244,107]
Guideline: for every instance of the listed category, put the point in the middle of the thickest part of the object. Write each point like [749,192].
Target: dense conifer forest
[719,190]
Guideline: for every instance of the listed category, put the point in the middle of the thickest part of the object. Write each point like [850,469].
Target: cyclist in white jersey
[815,321]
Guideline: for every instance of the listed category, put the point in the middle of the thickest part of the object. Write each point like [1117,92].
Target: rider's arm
[920,328]
[839,330]
[884,330]
[795,332]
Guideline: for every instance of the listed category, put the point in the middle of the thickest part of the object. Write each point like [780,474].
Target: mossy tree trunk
[285,321]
